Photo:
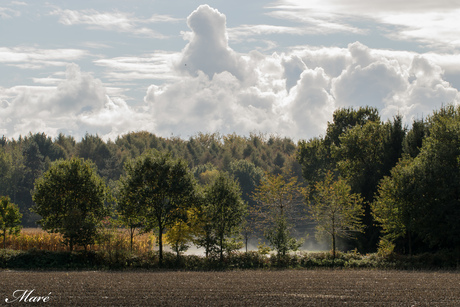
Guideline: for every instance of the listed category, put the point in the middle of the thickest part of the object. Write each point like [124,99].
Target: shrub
[124,259]
[247,260]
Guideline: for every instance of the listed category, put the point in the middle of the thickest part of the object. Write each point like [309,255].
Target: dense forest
[407,177]
[24,160]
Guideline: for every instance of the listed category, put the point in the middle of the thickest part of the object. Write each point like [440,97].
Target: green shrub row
[52,260]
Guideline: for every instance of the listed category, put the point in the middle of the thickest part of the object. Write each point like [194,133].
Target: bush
[43,260]
[247,260]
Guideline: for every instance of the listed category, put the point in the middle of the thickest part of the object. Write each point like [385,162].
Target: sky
[177,68]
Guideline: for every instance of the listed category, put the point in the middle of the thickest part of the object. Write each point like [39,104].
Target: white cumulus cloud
[209,87]
[293,93]
[78,104]
[208,49]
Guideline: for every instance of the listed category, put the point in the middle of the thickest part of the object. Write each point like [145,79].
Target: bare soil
[236,288]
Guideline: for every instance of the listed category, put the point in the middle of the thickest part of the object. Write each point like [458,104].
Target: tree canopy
[10,218]
[223,209]
[278,201]
[419,202]
[335,209]
[71,199]
[158,189]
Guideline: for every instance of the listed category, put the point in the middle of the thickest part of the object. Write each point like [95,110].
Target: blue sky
[178,68]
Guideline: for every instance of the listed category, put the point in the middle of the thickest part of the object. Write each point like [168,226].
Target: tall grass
[110,240]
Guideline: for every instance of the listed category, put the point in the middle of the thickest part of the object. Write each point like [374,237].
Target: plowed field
[235,288]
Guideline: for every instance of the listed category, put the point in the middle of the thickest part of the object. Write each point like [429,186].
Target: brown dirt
[237,288]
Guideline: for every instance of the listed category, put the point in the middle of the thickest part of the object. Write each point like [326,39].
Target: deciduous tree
[224,209]
[159,188]
[10,218]
[71,199]
[277,200]
[335,209]
[249,177]
[183,231]
[131,212]
[366,154]
[422,194]
[394,207]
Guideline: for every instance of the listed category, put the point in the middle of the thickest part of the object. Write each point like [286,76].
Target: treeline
[407,179]
[25,159]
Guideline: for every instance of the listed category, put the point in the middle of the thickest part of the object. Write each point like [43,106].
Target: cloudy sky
[181,67]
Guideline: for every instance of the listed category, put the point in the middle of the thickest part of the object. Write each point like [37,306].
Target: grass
[239,288]
[110,240]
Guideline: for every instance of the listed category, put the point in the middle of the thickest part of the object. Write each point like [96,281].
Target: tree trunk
[333,239]
[333,247]
[4,239]
[131,233]
[177,248]
[221,249]
[160,245]
[409,237]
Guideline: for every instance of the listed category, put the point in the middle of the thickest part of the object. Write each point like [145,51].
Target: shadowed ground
[237,288]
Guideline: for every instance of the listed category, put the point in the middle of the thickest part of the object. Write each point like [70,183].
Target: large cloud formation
[292,93]
[208,50]
[79,104]
[213,88]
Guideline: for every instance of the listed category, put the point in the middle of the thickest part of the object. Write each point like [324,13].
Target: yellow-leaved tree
[335,209]
[183,231]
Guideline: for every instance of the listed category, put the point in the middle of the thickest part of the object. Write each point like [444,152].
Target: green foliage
[420,199]
[204,235]
[412,205]
[182,233]
[414,138]
[248,176]
[71,199]
[280,237]
[23,160]
[277,200]
[233,244]
[155,193]
[6,169]
[123,260]
[66,144]
[386,248]
[361,157]
[335,209]
[366,154]
[394,211]
[263,249]
[315,158]
[10,218]
[223,210]
[318,155]
[347,118]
